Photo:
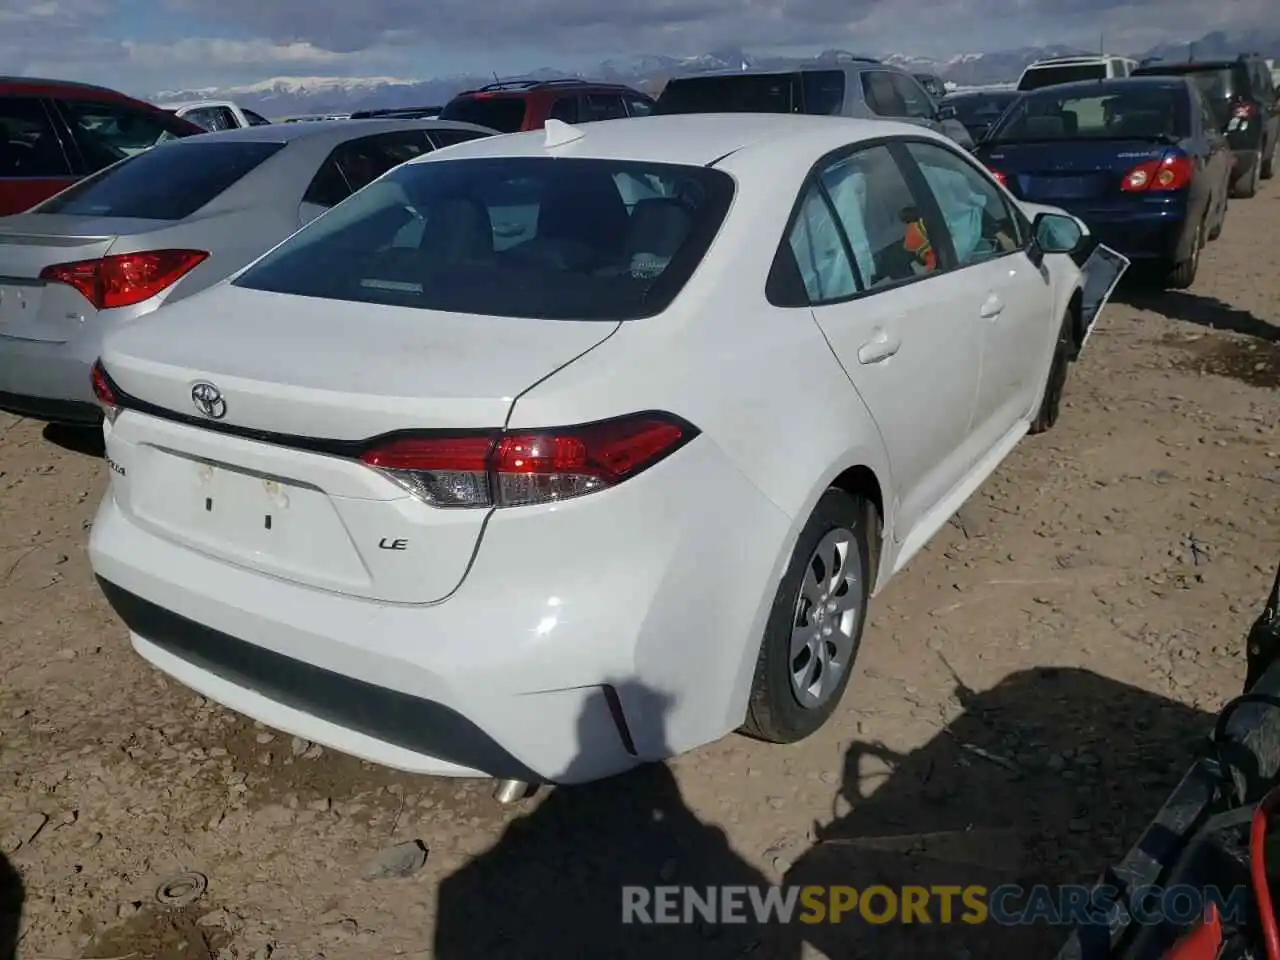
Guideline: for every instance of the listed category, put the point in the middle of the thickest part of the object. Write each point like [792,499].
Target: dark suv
[53,132]
[1245,101]
[514,105]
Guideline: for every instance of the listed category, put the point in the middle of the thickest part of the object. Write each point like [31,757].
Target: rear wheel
[1247,186]
[1221,220]
[815,627]
[1183,275]
[1269,165]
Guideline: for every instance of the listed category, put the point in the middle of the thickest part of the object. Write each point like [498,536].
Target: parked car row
[1148,155]
[334,439]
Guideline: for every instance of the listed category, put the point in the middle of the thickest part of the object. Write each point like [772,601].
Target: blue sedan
[1141,160]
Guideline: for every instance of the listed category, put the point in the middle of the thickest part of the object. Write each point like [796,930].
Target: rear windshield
[554,238]
[1140,112]
[1038,77]
[1219,84]
[818,92]
[980,109]
[168,182]
[504,114]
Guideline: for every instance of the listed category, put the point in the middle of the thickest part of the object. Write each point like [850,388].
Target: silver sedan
[164,224]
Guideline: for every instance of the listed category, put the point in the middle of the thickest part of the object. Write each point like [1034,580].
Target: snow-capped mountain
[291,96]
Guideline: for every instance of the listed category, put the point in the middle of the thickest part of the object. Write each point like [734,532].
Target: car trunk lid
[1046,172]
[273,482]
[32,309]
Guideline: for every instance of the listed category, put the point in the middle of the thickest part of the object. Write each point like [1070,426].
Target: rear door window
[447,138]
[740,93]
[255,119]
[919,105]
[883,97]
[107,132]
[638,106]
[823,92]
[29,147]
[357,163]
[511,237]
[1038,77]
[566,109]
[504,114]
[169,183]
[605,106]
[212,118]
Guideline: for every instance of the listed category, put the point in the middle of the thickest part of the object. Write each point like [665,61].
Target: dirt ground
[1029,690]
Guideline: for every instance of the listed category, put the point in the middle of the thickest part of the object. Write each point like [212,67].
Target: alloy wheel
[826,618]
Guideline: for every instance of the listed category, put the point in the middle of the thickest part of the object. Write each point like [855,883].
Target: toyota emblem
[208,400]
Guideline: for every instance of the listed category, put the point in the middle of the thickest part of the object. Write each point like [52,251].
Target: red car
[515,105]
[53,132]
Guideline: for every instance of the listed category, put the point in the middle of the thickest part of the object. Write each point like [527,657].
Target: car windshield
[1037,77]
[504,114]
[168,182]
[978,109]
[554,238]
[1119,112]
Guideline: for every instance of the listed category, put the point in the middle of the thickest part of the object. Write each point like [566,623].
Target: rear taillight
[1173,171]
[126,278]
[528,467]
[102,389]
[1244,111]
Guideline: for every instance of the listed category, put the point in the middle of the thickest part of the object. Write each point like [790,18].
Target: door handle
[880,347]
[992,307]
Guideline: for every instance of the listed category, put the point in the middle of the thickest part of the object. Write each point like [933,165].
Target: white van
[1045,73]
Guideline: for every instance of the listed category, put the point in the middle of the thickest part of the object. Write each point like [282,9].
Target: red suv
[53,132]
[515,105]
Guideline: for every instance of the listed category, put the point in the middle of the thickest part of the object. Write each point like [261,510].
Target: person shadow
[12,895]
[1047,778]
[554,885]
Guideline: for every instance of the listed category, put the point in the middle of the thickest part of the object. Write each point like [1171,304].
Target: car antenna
[560,133]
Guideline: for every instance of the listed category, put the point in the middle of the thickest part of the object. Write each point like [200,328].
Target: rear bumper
[48,380]
[586,638]
[1140,233]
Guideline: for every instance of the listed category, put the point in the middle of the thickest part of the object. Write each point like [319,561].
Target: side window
[565,109]
[202,117]
[820,251]
[918,104]
[823,92]
[28,145]
[982,225]
[363,161]
[638,106]
[212,118]
[255,119]
[328,187]
[881,218]
[447,138]
[226,119]
[107,132]
[604,106]
[882,97]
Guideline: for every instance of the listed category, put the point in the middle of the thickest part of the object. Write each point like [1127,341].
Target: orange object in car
[917,243]
[1202,943]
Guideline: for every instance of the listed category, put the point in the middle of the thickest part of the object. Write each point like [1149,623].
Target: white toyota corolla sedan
[557,452]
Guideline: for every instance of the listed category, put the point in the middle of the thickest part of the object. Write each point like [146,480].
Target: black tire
[1247,187]
[1269,165]
[1182,275]
[1221,222]
[775,712]
[1051,402]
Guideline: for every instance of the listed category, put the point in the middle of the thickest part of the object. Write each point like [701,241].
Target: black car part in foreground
[1212,832]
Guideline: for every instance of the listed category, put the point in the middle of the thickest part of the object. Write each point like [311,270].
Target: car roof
[1110,85]
[1090,59]
[192,104]
[520,88]
[335,130]
[1189,65]
[855,63]
[43,87]
[689,139]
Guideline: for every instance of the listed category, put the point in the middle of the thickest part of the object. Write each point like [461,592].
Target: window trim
[931,213]
[75,164]
[1010,204]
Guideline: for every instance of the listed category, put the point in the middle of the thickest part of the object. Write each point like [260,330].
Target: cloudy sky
[143,46]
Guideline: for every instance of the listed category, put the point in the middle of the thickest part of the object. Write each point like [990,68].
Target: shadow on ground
[1047,778]
[83,440]
[11,897]
[1195,308]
